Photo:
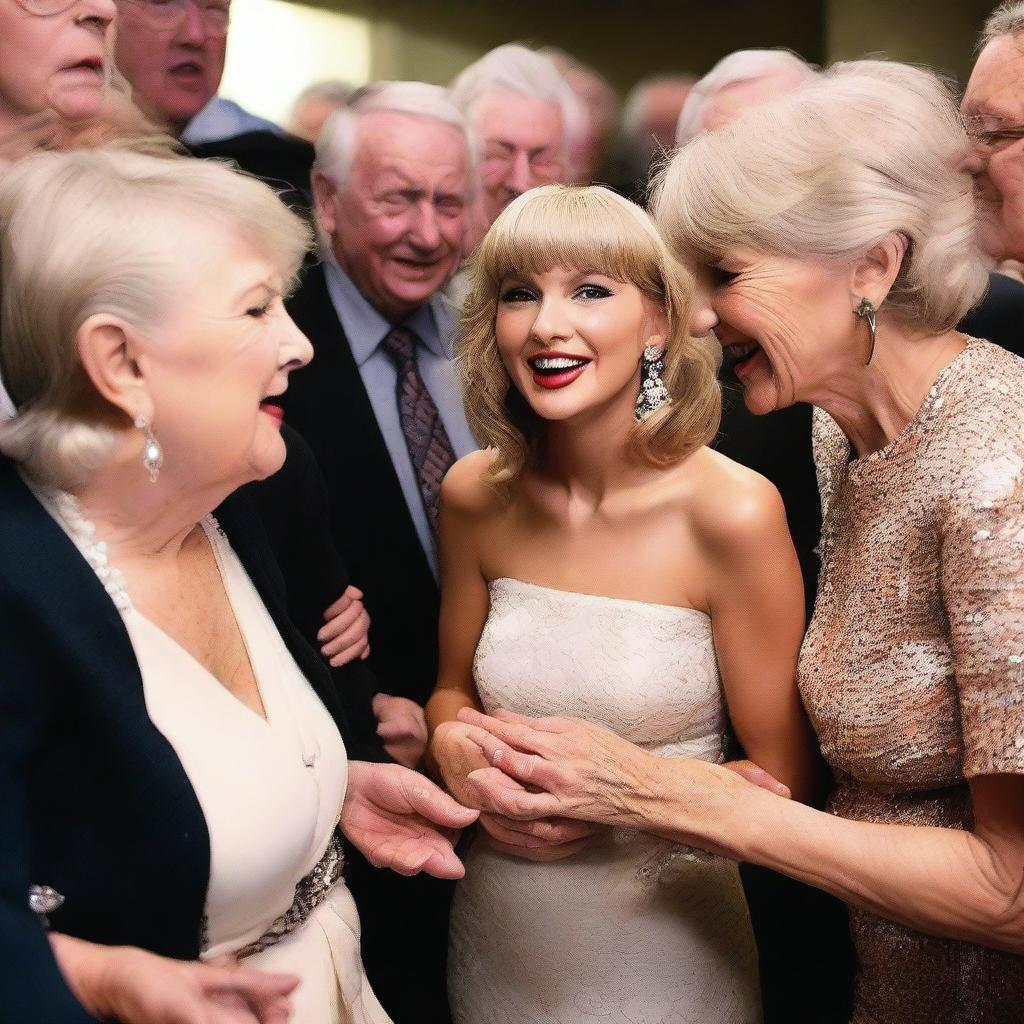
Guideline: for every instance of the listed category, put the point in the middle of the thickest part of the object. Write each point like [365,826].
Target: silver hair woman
[172,766]
[837,246]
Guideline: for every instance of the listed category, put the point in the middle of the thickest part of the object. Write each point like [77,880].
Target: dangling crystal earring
[866,311]
[152,453]
[653,393]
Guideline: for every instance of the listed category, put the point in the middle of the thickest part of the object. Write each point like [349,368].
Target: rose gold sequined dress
[912,670]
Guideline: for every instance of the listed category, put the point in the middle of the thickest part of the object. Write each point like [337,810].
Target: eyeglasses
[45,8]
[168,15]
[992,132]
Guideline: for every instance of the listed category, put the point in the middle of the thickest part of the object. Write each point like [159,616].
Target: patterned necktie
[425,437]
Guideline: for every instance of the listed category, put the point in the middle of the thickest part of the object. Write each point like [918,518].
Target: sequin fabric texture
[912,670]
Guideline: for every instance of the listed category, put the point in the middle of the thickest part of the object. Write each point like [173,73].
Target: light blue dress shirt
[224,119]
[434,324]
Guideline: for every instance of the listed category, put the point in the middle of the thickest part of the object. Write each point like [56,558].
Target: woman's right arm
[466,509]
[464,605]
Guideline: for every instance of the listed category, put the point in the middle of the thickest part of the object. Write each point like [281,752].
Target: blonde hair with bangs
[87,232]
[867,149]
[589,229]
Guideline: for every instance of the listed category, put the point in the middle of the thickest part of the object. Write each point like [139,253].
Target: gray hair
[337,144]
[524,72]
[1006,20]
[829,171]
[84,233]
[734,68]
[332,90]
[636,101]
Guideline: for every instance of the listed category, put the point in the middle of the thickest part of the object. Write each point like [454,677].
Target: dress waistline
[310,893]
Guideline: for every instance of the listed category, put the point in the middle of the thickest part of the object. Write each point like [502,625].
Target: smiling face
[397,224]
[53,62]
[522,145]
[785,325]
[572,342]
[174,72]
[212,370]
[993,108]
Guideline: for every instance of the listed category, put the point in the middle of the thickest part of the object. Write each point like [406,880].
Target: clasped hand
[529,768]
[539,838]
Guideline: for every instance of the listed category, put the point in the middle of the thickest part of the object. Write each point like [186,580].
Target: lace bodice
[628,929]
[646,671]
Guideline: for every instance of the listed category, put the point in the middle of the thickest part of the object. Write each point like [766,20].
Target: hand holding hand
[345,636]
[401,820]
[756,775]
[546,839]
[402,726]
[456,756]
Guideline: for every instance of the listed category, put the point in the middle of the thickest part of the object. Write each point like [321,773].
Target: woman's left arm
[756,599]
[949,882]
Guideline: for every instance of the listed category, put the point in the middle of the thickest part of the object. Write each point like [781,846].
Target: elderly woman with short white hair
[836,245]
[173,776]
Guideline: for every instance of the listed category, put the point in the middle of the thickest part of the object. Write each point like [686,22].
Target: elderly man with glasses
[172,53]
[993,110]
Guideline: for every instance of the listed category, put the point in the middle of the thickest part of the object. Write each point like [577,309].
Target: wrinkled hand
[345,636]
[402,725]
[401,820]
[569,768]
[137,987]
[582,770]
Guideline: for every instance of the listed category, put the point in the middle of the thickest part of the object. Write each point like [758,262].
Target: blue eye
[592,291]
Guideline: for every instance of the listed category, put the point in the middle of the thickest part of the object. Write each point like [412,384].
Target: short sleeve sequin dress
[912,670]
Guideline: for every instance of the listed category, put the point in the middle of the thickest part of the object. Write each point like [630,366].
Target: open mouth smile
[739,356]
[554,370]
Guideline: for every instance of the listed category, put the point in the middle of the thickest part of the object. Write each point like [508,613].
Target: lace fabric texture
[911,670]
[631,928]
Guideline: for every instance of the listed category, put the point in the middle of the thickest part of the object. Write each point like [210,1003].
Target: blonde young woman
[838,251]
[598,560]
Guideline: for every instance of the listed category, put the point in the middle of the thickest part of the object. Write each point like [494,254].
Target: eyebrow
[265,286]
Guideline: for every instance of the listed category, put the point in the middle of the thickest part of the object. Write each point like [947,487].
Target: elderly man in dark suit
[380,407]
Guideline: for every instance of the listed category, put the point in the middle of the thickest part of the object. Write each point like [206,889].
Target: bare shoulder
[464,491]
[732,506]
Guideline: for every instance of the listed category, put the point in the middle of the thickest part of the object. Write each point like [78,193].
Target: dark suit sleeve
[999,317]
[294,509]
[31,985]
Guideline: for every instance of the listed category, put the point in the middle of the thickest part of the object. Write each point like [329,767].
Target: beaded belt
[309,894]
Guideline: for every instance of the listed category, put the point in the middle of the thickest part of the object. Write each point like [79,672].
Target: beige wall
[432,40]
[940,33]
[626,39]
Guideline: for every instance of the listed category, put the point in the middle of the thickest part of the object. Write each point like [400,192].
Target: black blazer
[93,798]
[294,511]
[373,529]
[283,161]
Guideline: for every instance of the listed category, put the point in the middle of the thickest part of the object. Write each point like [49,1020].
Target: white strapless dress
[631,930]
